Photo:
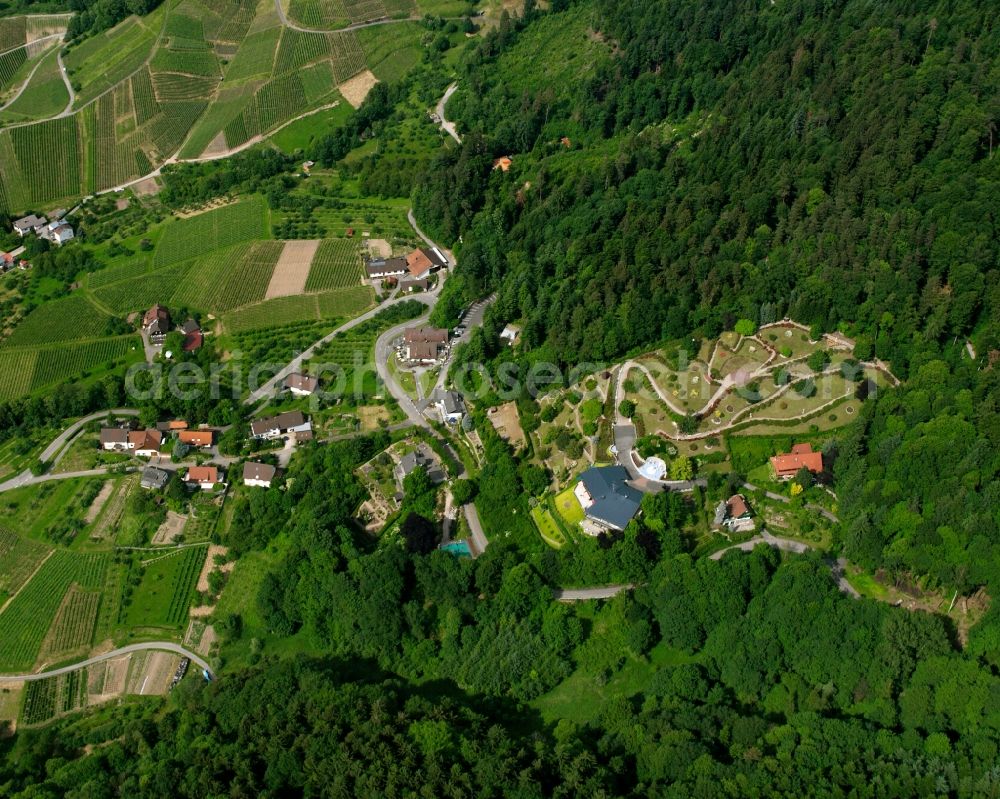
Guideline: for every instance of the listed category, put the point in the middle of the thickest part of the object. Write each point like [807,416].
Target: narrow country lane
[159,646]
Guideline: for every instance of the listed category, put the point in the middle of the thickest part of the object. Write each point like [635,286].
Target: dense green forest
[768,681]
[676,166]
[835,163]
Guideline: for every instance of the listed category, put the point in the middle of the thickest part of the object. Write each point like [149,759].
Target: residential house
[259,475]
[301,385]
[450,405]
[154,479]
[114,438]
[197,438]
[203,477]
[606,498]
[193,337]
[424,261]
[424,344]
[26,224]
[56,232]
[385,267]
[510,334]
[734,515]
[503,163]
[785,467]
[156,323]
[420,457]
[287,423]
[411,284]
[145,443]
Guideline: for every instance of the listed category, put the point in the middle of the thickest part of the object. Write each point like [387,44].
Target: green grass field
[548,527]
[568,507]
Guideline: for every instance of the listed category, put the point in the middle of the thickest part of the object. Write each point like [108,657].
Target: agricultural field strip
[25,621]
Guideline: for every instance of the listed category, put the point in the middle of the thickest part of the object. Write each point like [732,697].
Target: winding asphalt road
[158,646]
[55,448]
[446,126]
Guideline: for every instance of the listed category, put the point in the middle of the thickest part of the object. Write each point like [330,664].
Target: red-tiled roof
[197,438]
[202,474]
[800,456]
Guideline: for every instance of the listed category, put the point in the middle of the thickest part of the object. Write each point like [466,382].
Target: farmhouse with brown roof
[259,475]
[145,443]
[802,456]
[197,438]
[734,514]
[422,262]
[203,477]
[156,323]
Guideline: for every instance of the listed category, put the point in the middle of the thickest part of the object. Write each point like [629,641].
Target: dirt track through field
[292,270]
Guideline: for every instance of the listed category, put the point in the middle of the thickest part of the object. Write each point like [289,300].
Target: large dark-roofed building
[606,497]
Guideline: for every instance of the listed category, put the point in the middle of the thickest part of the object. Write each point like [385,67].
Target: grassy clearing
[299,135]
[548,527]
[606,670]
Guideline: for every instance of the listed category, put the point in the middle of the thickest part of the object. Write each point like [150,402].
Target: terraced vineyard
[73,627]
[50,153]
[229,278]
[212,230]
[144,289]
[338,13]
[67,319]
[19,557]
[27,369]
[341,303]
[192,77]
[24,623]
[53,696]
[337,264]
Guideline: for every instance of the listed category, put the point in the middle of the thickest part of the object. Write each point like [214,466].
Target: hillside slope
[195,78]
